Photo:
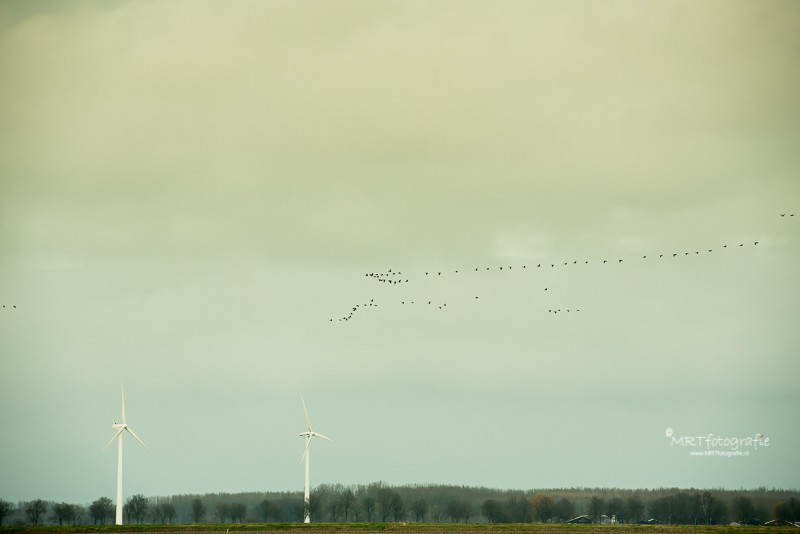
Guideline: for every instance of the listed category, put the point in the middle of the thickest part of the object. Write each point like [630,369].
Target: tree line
[380,502]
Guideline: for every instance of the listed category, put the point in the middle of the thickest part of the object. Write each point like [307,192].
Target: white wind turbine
[121,426]
[308,435]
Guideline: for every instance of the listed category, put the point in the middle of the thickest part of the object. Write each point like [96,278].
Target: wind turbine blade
[305,452]
[123,404]
[323,437]
[135,436]
[308,421]
[112,439]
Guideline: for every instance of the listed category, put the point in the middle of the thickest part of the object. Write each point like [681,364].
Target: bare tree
[62,513]
[5,510]
[163,511]
[595,507]
[35,510]
[564,510]
[398,507]
[346,500]
[420,509]
[79,513]
[101,510]
[222,511]
[635,509]
[238,512]
[268,509]
[384,502]
[542,506]
[368,505]
[136,508]
[494,511]
[615,508]
[168,511]
[743,509]
[459,510]
[519,508]
[198,510]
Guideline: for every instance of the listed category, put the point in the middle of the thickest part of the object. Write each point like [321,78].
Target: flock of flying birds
[393,278]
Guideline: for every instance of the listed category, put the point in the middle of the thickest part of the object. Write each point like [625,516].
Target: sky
[200,200]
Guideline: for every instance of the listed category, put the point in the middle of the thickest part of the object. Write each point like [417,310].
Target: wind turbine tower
[118,436]
[308,435]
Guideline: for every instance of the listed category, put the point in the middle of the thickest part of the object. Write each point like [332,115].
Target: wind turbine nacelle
[118,425]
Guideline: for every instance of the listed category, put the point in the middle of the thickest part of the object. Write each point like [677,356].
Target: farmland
[402,527]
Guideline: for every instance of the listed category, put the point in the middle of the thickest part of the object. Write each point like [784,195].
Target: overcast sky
[191,195]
